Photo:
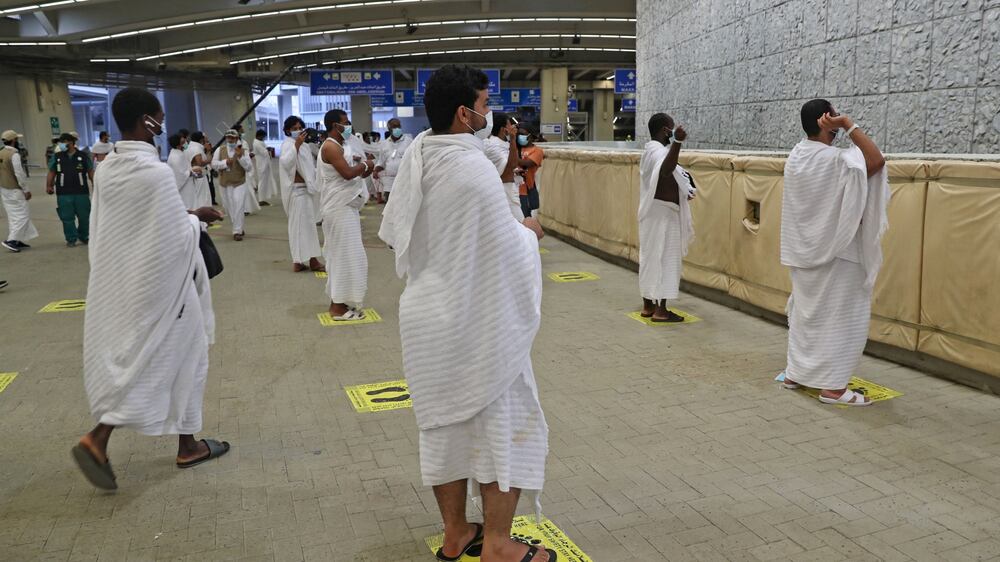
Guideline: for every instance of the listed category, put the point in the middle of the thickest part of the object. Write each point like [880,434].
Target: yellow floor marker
[371,317]
[214,226]
[525,530]
[380,396]
[874,392]
[572,276]
[543,251]
[6,379]
[320,274]
[65,306]
[688,318]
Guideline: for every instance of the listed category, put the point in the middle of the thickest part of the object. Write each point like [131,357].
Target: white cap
[10,135]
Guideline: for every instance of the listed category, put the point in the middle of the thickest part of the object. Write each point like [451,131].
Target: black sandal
[475,540]
[533,550]
[215,450]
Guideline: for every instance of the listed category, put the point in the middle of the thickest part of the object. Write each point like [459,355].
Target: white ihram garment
[832,220]
[266,188]
[147,327]
[182,175]
[202,195]
[470,375]
[389,157]
[19,223]
[665,229]
[498,151]
[297,199]
[346,260]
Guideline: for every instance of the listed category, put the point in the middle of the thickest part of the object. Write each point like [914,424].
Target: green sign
[54,123]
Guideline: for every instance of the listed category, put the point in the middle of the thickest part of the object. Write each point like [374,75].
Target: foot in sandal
[845,397]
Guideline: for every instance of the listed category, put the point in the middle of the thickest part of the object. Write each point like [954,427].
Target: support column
[361,113]
[554,84]
[179,107]
[603,118]
[37,100]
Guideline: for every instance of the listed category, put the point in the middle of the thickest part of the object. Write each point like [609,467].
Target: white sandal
[848,398]
[351,314]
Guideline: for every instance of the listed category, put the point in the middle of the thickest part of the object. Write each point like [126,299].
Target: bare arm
[874,160]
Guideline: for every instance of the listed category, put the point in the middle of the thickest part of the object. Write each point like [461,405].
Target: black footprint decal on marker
[400,398]
[386,389]
[475,551]
[525,539]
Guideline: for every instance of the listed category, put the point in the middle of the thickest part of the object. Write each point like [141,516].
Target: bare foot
[101,454]
[453,544]
[510,550]
[647,308]
[199,450]
[315,265]
[338,309]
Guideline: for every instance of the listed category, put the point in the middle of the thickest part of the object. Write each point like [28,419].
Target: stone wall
[918,75]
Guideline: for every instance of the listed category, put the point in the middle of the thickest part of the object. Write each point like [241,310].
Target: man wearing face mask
[501,149]
[833,215]
[390,155]
[665,226]
[195,155]
[529,162]
[15,194]
[467,320]
[297,180]
[183,174]
[342,193]
[149,322]
[232,163]
[70,176]
[252,205]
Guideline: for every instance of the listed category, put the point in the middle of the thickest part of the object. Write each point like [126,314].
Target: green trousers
[74,212]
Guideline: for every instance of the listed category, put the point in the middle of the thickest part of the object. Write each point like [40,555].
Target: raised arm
[333,154]
[874,159]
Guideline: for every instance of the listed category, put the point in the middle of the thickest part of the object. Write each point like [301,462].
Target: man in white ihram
[833,215]
[665,225]
[232,162]
[148,326]
[15,195]
[297,179]
[391,152]
[474,395]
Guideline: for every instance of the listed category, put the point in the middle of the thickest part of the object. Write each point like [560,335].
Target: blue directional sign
[628,105]
[572,105]
[401,98]
[522,96]
[625,80]
[424,74]
[350,82]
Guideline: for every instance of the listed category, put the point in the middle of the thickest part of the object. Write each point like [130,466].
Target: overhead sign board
[628,105]
[572,105]
[424,74]
[625,80]
[350,82]
[400,98]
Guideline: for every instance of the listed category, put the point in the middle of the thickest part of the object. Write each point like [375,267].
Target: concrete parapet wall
[936,294]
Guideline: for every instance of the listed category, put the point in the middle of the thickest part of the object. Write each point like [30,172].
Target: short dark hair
[812,110]
[103,134]
[290,122]
[500,120]
[449,88]
[184,133]
[657,122]
[261,133]
[66,137]
[131,104]
[174,140]
[333,116]
[197,136]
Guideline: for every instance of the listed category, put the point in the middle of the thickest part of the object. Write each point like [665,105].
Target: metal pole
[256,103]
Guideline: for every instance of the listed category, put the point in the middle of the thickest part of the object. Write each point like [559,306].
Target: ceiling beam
[485,6]
[581,73]
[531,74]
[46,23]
[507,73]
[406,73]
[301,18]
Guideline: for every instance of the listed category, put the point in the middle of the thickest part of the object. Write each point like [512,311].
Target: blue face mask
[522,140]
[62,146]
[231,145]
[347,130]
[397,132]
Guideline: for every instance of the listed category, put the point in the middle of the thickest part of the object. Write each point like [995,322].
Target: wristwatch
[851,130]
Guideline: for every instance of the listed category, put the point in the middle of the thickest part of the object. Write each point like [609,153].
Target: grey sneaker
[71,243]
[11,245]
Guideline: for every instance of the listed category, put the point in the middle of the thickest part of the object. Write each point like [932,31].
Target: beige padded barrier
[755,270]
[960,303]
[708,257]
[592,197]
[896,297]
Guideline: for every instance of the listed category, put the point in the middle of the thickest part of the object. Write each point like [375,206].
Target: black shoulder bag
[213,263]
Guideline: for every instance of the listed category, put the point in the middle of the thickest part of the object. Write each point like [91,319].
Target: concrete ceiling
[261,38]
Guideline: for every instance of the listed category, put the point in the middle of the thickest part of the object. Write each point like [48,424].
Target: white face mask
[295,134]
[484,133]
